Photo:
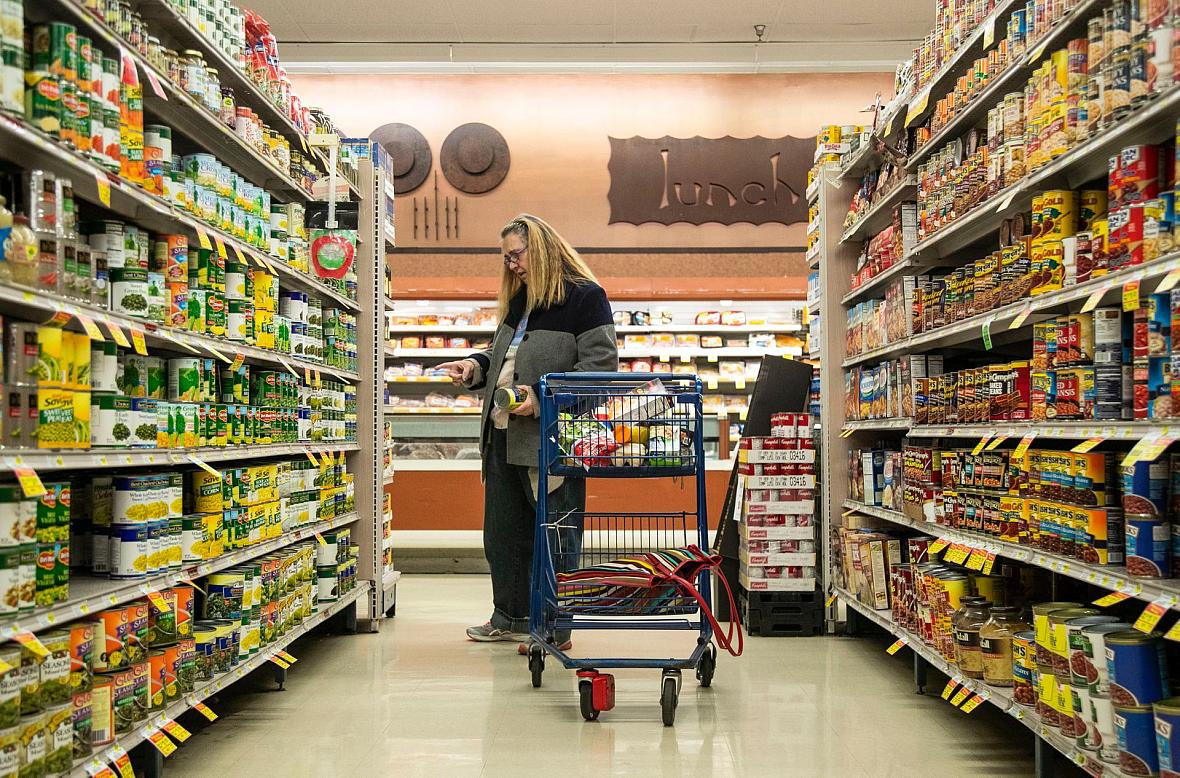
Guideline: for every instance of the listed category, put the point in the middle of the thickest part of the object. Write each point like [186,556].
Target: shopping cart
[619,425]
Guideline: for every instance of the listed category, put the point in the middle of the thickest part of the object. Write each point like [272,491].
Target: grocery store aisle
[419,699]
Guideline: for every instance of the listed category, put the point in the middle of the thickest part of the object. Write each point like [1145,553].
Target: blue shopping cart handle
[612,376]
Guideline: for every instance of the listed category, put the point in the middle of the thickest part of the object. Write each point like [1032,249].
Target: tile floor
[419,699]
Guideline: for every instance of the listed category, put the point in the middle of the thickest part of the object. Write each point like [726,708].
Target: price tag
[279,662]
[161,741]
[1169,281]
[980,445]
[220,247]
[205,711]
[686,358]
[290,369]
[92,330]
[951,685]
[118,756]
[1020,317]
[977,558]
[96,769]
[937,545]
[320,539]
[989,32]
[972,703]
[1173,633]
[711,383]
[1111,599]
[996,441]
[831,600]
[987,335]
[896,646]
[203,237]
[116,334]
[157,599]
[58,319]
[1087,445]
[137,339]
[238,253]
[176,730]
[988,563]
[1149,447]
[218,354]
[1038,51]
[239,360]
[1006,202]
[196,460]
[311,457]
[155,82]
[287,657]
[318,379]
[104,188]
[917,107]
[1154,611]
[1130,296]
[1022,446]
[30,641]
[711,357]
[1093,300]
[306,375]
[30,482]
[960,695]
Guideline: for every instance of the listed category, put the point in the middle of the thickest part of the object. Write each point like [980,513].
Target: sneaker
[486,633]
[523,648]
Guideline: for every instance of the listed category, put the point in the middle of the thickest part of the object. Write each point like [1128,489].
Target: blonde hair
[552,262]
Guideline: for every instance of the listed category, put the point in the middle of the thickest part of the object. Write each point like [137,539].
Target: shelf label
[118,756]
[155,82]
[157,599]
[30,641]
[988,563]
[1093,300]
[951,685]
[1087,445]
[196,460]
[58,319]
[996,441]
[686,358]
[320,539]
[1006,202]
[1111,599]
[1169,280]
[1022,447]
[987,335]
[1154,611]
[1038,51]
[917,107]
[161,741]
[937,545]
[319,381]
[286,657]
[290,369]
[896,646]
[989,32]
[92,330]
[1130,296]
[137,338]
[205,711]
[972,703]
[30,482]
[711,383]
[831,600]
[220,247]
[96,769]
[1020,317]
[1173,633]
[238,253]
[960,695]
[279,662]
[976,560]
[307,376]
[218,354]
[1149,447]
[104,188]
[203,238]
[239,360]
[980,445]
[311,457]
[174,729]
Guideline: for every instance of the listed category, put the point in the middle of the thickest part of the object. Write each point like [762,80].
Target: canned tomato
[1137,668]
[102,711]
[1148,541]
[1059,637]
[83,724]
[1134,727]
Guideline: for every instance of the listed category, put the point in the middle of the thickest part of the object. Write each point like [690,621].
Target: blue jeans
[509,524]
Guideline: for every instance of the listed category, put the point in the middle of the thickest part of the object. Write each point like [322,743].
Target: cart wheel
[536,664]
[707,666]
[668,699]
[586,699]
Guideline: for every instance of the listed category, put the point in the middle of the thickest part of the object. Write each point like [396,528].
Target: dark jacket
[576,336]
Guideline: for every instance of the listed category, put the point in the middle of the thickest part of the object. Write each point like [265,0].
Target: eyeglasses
[513,257]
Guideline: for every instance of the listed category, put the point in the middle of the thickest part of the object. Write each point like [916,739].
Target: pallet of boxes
[777,527]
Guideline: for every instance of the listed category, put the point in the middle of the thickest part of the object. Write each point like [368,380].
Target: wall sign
[697,180]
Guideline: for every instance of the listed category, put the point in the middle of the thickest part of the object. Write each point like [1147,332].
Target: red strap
[726,640]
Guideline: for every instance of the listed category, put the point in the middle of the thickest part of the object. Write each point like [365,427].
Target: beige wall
[557,126]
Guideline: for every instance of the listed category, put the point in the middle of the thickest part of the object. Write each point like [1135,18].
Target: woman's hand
[459,371]
[528,407]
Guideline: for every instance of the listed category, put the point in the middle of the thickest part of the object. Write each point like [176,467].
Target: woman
[554,318]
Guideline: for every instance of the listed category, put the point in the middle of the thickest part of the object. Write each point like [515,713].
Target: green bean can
[10,687]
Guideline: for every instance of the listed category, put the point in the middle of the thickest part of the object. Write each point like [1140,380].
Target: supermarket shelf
[1070,25]
[50,459]
[390,579]
[1083,163]
[414,329]
[418,379]
[997,696]
[968,330]
[179,111]
[166,23]
[662,355]
[879,424]
[812,255]
[1110,577]
[880,214]
[90,595]
[387,480]
[812,226]
[398,410]
[390,235]
[209,688]
[390,353]
[389,303]
[475,465]
[35,305]
[132,202]
[1061,430]
[880,280]
[622,329]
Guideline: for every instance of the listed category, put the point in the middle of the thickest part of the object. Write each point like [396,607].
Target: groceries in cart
[643,427]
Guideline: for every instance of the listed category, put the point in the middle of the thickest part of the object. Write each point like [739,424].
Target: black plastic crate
[783,614]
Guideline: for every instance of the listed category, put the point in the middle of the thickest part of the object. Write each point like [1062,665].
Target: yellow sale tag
[320,539]
[219,355]
[830,601]
[711,357]
[104,188]
[1173,633]
[122,760]
[116,334]
[58,319]
[896,646]
[287,657]
[996,441]
[988,563]
[1086,445]
[739,384]
[951,685]
[664,357]
[311,457]
[1169,281]
[1038,51]
[280,662]
[306,375]
[937,546]
[238,253]
[196,460]
[917,108]
[1152,614]
[989,33]
[220,247]
[92,330]
[162,743]
[978,557]
[1093,300]
[980,445]
[137,339]
[1130,295]
[96,769]
[960,695]
[158,600]
[1148,448]
[239,360]
[30,482]
[1022,446]
[1111,599]
[290,369]
[203,237]
[972,703]
[205,711]
[177,731]
[1020,317]
[319,381]
[30,641]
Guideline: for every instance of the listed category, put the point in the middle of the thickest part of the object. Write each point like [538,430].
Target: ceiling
[595,35]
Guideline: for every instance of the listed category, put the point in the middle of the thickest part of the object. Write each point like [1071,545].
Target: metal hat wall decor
[474,158]
[410,153]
